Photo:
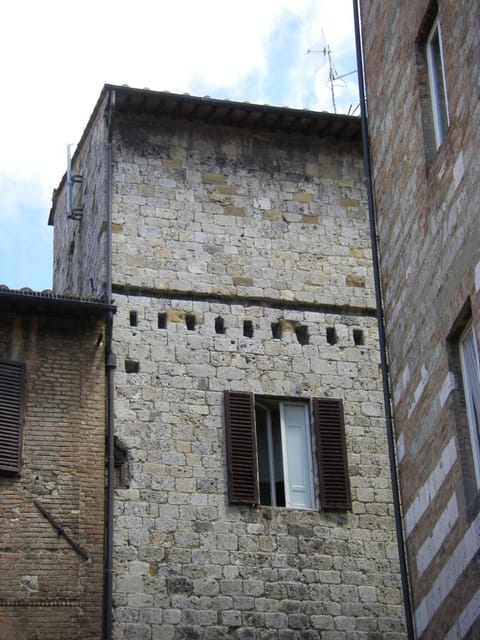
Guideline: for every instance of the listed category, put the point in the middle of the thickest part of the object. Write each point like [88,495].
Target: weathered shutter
[241,448]
[332,454]
[11,415]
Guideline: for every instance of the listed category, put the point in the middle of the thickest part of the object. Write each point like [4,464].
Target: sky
[57,56]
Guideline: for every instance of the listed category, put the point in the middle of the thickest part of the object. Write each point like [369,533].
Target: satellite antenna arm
[344,75]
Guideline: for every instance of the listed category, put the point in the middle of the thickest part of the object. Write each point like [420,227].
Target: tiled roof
[47,302]
[232,113]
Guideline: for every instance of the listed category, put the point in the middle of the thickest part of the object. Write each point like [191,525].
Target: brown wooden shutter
[331,454]
[11,415]
[241,448]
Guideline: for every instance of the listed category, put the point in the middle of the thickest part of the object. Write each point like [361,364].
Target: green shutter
[241,448]
[11,415]
[331,454]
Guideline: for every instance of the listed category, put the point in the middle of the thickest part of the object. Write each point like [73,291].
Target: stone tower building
[252,491]
[422,64]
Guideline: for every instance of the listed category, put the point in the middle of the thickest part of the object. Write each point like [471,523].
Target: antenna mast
[333,75]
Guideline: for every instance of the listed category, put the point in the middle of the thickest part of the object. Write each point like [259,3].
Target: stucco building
[422,65]
[253,490]
[52,466]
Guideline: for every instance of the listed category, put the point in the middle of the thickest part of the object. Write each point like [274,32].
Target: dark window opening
[331,335]
[133,318]
[301,331]
[358,337]
[276,330]
[120,465]
[190,321]
[219,325]
[132,366]
[248,328]
[162,320]
[271,480]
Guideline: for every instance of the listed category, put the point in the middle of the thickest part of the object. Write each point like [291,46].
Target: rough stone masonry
[241,262]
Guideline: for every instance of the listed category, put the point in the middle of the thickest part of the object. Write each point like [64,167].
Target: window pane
[471,385]
[437,84]
[297,455]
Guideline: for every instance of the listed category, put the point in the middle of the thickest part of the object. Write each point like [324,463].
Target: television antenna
[321,47]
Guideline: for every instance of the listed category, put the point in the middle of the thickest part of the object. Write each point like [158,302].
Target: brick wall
[427,211]
[47,589]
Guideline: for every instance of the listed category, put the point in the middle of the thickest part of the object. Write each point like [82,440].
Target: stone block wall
[241,262]
[47,589]
[80,245]
[222,211]
[427,213]
[188,564]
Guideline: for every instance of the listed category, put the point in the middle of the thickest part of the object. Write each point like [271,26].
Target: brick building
[422,63]
[253,491]
[52,468]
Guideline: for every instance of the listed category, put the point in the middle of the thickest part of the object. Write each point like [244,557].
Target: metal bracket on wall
[75,213]
[61,531]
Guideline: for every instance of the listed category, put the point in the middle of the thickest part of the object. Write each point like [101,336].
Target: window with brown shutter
[332,454]
[269,450]
[11,415]
[241,448]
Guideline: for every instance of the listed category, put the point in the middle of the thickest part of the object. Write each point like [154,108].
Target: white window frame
[438,86]
[471,386]
[290,464]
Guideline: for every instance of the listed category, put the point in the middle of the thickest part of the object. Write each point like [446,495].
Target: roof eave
[47,303]
[220,113]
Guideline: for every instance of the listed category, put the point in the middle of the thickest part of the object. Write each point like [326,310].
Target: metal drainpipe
[110,364]
[381,329]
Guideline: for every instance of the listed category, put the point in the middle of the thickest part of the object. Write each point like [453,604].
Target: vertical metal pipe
[381,328]
[108,595]
[69,182]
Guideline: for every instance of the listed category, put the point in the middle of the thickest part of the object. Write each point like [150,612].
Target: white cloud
[58,55]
